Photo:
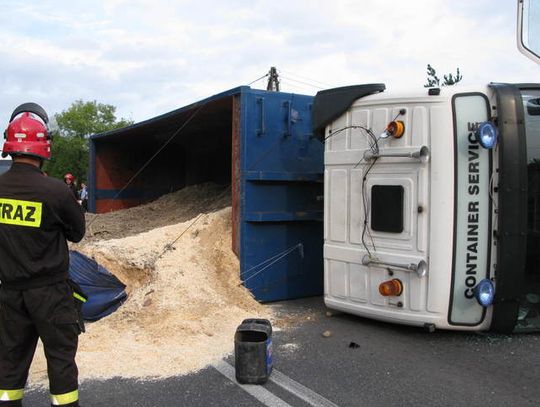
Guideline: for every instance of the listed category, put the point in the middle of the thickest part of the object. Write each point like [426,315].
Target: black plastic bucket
[253,351]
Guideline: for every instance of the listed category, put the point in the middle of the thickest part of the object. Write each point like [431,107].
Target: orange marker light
[395,129]
[390,288]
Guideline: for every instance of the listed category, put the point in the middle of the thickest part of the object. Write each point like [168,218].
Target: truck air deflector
[512,207]
[329,104]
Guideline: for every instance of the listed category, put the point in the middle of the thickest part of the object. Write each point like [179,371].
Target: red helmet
[27,132]
[69,176]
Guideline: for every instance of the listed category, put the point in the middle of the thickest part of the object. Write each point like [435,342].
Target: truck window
[387,208]
[528,29]
[529,315]
[531,102]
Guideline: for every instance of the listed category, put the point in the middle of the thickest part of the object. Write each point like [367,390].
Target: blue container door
[281,203]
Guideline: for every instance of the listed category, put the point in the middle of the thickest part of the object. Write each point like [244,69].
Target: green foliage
[69,154]
[452,80]
[70,139]
[434,81]
[83,119]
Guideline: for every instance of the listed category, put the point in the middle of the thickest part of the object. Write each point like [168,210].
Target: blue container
[258,142]
[281,185]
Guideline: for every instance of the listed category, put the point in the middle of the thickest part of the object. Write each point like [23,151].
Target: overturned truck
[432,205]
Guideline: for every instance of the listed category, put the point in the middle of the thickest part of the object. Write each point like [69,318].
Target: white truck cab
[432,204]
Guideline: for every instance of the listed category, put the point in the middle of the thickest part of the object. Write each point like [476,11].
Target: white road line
[300,391]
[259,392]
[268,398]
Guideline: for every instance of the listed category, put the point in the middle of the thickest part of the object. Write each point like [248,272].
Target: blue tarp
[104,291]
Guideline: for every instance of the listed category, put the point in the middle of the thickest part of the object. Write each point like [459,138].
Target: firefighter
[69,179]
[37,299]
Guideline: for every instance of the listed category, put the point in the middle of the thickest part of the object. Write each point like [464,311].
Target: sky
[148,57]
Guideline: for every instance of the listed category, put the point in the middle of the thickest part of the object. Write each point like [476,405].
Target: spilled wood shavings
[183,306]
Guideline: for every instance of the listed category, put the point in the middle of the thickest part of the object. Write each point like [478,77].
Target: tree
[434,81]
[71,130]
[69,154]
[83,119]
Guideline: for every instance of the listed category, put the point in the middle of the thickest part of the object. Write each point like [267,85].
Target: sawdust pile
[169,209]
[185,300]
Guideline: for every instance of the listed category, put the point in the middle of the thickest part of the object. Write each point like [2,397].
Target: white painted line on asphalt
[300,391]
[259,392]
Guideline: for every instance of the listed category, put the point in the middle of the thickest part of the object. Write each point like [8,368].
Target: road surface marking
[269,399]
[300,391]
[259,392]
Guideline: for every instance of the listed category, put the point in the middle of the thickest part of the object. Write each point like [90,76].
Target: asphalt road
[361,363]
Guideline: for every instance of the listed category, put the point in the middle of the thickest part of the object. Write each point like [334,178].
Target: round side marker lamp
[391,288]
[395,129]
[484,292]
[487,134]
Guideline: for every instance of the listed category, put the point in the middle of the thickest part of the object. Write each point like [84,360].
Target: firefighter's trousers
[50,313]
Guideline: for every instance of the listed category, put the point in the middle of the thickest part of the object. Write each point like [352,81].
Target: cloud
[150,57]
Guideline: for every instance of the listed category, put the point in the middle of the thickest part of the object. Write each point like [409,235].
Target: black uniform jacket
[37,215]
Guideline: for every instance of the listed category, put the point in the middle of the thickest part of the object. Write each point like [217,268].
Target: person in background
[37,299]
[83,196]
[69,179]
